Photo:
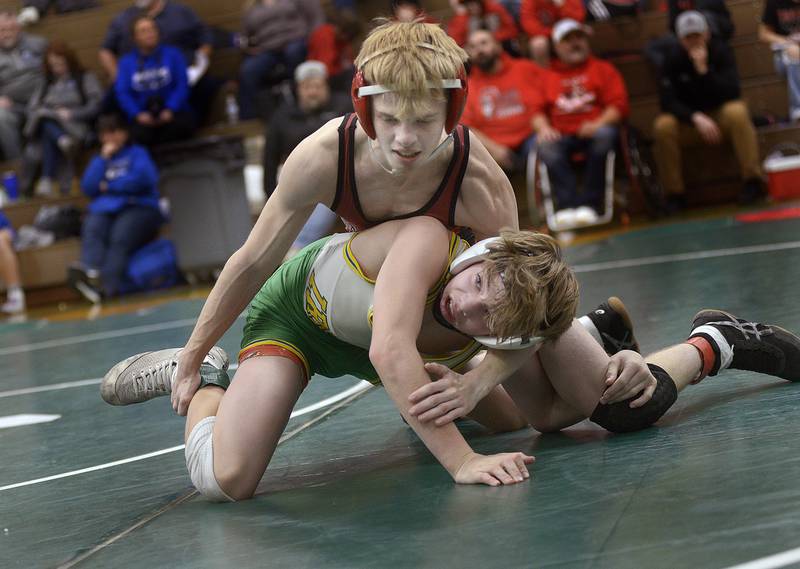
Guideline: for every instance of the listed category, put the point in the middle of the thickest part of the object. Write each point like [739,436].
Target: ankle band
[707,356]
[209,375]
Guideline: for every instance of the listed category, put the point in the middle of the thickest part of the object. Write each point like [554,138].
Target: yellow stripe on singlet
[352,262]
[286,346]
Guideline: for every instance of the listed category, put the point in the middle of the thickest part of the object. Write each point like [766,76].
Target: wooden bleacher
[619,40]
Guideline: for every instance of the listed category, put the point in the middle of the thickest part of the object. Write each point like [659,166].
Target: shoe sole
[709,311]
[108,387]
[618,306]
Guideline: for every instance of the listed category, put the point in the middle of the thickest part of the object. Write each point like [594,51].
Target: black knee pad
[620,418]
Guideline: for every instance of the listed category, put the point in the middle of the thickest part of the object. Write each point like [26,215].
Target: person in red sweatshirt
[583,101]
[502,99]
[332,44]
[475,14]
[537,18]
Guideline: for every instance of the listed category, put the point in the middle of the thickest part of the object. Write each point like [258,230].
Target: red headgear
[362,91]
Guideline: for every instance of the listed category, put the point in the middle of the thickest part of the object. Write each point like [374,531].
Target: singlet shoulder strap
[344,203]
[444,208]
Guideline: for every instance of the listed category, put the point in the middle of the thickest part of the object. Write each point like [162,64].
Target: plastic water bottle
[11,184]
[231,109]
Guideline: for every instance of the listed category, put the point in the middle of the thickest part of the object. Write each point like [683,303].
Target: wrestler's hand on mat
[448,396]
[626,376]
[494,469]
[184,386]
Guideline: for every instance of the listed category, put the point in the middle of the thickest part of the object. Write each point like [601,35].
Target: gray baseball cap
[690,22]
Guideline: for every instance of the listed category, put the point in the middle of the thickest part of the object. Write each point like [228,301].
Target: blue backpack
[153,266]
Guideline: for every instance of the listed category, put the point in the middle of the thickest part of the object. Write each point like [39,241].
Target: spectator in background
[275,32]
[481,14]
[178,26]
[290,125]
[20,76]
[780,28]
[716,13]
[9,270]
[332,44]
[123,214]
[59,122]
[502,100]
[410,11]
[700,102]
[537,18]
[33,10]
[583,101]
[151,88]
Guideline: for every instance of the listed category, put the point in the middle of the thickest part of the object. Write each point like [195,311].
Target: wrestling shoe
[148,375]
[750,346]
[614,326]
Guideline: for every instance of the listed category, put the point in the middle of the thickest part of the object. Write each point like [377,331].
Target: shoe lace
[625,343]
[746,328]
[155,378]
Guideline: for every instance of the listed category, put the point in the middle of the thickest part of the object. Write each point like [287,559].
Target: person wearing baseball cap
[701,104]
[583,100]
[537,18]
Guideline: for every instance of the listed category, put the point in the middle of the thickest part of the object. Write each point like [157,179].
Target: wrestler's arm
[413,264]
[307,178]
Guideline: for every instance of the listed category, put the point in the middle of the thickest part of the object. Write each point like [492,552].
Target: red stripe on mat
[771,215]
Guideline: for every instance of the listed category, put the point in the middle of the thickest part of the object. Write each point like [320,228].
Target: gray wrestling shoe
[148,375]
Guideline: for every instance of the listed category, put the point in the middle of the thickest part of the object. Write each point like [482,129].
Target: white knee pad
[200,461]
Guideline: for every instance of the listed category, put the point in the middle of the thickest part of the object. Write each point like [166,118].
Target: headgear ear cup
[456,103]
[361,105]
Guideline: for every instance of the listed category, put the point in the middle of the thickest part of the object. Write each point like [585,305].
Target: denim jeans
[50,131]
[556,156]
[108,240]
[256,69]
[791,70]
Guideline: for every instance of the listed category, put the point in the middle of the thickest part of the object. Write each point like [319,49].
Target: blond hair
[405,56]
[541,292]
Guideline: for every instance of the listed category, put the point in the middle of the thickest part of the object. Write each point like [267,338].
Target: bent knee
[735,111]
[236,481]
[665,125]
[620,417]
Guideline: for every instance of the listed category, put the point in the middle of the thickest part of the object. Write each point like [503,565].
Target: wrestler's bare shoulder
[486,202]
[311,168]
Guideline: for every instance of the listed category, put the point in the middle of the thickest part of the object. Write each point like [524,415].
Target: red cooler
[783,173]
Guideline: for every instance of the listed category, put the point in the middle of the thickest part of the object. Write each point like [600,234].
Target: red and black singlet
[441,206]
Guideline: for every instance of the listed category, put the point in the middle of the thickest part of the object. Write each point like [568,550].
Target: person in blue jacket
[152,87]
[123,213]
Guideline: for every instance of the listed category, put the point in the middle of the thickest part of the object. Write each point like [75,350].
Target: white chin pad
[474,254]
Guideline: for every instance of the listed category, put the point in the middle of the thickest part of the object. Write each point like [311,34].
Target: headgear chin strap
[475,254]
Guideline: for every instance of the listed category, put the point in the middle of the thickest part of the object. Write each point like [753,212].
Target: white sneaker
[14,305]
[585,215]
[44,188]
[148,375]
[565,217]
